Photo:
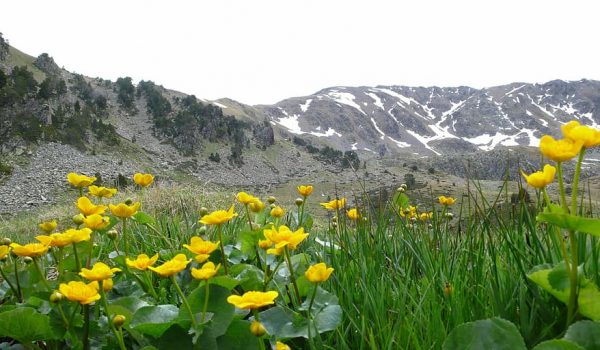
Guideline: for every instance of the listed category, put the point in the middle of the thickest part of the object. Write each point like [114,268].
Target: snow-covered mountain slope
[435,120]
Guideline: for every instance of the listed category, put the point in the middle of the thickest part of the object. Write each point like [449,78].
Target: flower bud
[257,329]
[27,260]
[272,205]
[119,320]
[202,230]
[129,201]
[449,216]
[299,201]
[254,226]
[56,297]
[400,189]
[404,186]
[6,241]
[271,200]
[78,219]
[447,289]
[334,219]
[203,211]
[112,234]
[334,224]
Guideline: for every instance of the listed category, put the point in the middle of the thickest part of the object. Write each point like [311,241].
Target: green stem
[185,302]
[77,262]
[12,287]
[20,293]
[64,317]
[261,343]
[89,259]
[576,182]
[42,275]
[223,257]
[109,319]
[148,276]
[206,291]
[301,213]
[86,327]
[572,307]
[125,238]
[312,299]
[59,263]
[563,198]
[292,276]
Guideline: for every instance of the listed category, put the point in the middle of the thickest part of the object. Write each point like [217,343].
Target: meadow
[157,267]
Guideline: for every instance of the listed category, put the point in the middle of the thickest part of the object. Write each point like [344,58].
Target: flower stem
[206,291]
[8,281]
[261,343]
[561,185]
[42,275]
[572,307]
[77,263]
[110,323]
[64,317]
[185,302]
[125,238]
[86,327]
[20,293]
[312,299]
[223,257]
[148,276]
[89,259]
[292,276]
[576,182]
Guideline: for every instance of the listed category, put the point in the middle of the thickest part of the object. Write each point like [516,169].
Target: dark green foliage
[126,94]
[299,141]
[122,181]
[27,126]
[81,88]
[52,87]
[3,48]
[23,81]
[431,170]
[409,180]
[5,168]
[350,160]
[105,132]
[214,157]
[158,106]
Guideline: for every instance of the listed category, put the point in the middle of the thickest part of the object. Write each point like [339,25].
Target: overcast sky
[264,51]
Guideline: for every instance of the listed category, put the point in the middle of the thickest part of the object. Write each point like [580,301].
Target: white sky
[264,51]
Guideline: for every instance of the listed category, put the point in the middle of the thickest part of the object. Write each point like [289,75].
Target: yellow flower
[96,222]
[283,236]
[102,192]
[31,250]
[4,249]
[277,212]
[201,248]
[143,180]
[245,198]
[318,273]
[123,210]
[577,132]
[560,150]
[264,243]
[425,216]
[79,235]
[48,226]
[107,284]
[256,206]
[353,214]
[540,179]
[411,211]
[142,262]
[253,299]
[305,191]
[275,251]
[86,207]
[78,180]
[80,292]
[281,346]
[218,217]
[446,200]
[207,271]
[171,267]
[99,272]
[55,240]
[335,204]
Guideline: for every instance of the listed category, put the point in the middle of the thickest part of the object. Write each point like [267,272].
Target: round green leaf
[558,344]
[25,325]
[154,320]
[585,333]
[490,334]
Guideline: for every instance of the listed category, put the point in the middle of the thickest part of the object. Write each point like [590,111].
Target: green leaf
[284,323]
[154,320]
[491,334]
[250,276]
[558,344]
[588,299]
[142,218]
[249,242]
[132,304]
[559,277]
[585,333]
[322,299]
[328,318]
[238,337]
[25,325]
[224,281]
[174,337]
[217,305]
[401,200]
[573,223]
[540,277]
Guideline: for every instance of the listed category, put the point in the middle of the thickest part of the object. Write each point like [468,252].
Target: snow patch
[375,98]
[345,98]
[329,132]
[290,122]
[220,105]
[354,148]
[400,144]
[304,107]
[377,128]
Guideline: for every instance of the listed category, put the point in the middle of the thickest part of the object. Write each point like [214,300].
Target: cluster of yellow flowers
[577,138]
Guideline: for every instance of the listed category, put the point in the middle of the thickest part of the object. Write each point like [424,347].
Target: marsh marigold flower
[99,272]
[96,222]
[218,217]
[143,180]
[245,198]
[48,226]
[207,271]
[171,267]
[253,299]
[577,132]
[540,179]
[264,243]
[57,239]
[446,200]
[425,216]
[107,284]
[86,207]
[277,212]
[102,192]
[123,210]
[283,236]
[81,235]
[142,262]
[31,250]
[559,150]
[4,249]
[80,291]
[78,180]
[201,248]
[335,204]
[353,214]
[305,191]
[256,206]
[282,346]
[318,273]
